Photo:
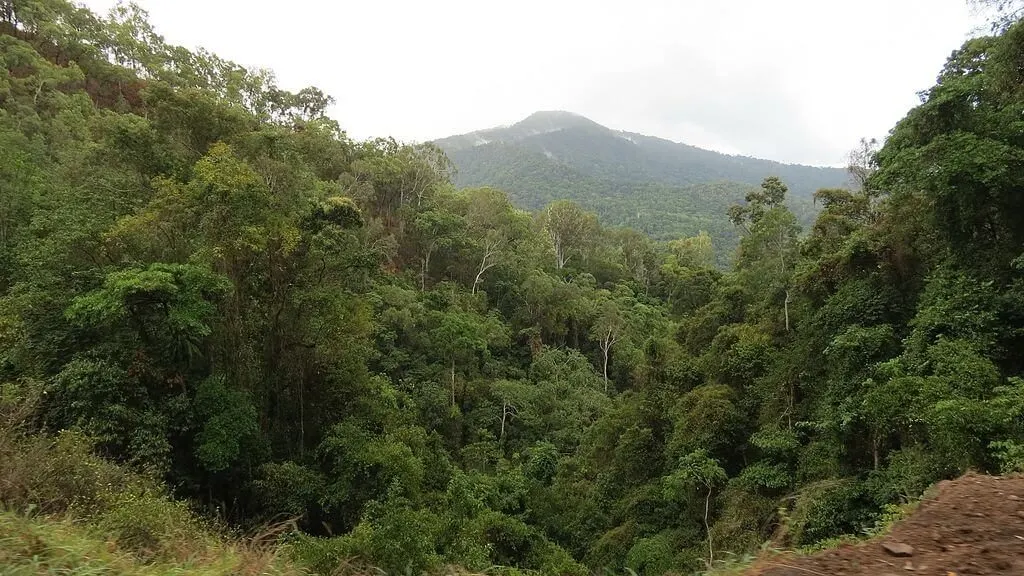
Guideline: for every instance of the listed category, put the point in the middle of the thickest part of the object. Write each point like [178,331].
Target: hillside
[567,140]
[663,188]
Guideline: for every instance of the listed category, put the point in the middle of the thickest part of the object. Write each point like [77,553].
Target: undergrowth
[65,510]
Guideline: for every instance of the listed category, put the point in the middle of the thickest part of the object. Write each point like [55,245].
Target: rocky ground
[971,526]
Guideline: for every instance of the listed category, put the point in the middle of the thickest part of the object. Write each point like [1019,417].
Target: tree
[758,202]
[170,307]
[607,330]
[436,229]
[697,470]
[460,336]
[1000,13]
[570,230]
[768,251]
[495,229]
[694,252]
[860,162]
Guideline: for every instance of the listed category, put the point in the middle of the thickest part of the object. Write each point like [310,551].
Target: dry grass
[43,545]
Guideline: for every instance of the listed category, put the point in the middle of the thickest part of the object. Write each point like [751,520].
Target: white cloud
[791,80]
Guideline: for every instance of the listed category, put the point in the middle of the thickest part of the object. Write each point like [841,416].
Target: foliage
[661,188]
[217,310]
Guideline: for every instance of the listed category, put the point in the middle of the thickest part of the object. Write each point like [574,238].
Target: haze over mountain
[594,150]
[664,188]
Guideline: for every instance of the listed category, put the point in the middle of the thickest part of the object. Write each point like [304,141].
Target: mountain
[664,188]
[589,148]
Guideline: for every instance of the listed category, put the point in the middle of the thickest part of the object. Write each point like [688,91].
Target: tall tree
[570,229]
[697,470]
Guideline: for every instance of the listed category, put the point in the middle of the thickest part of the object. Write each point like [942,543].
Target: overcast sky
[790,80]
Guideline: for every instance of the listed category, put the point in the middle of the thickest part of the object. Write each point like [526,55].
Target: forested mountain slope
[580,144]
[205,282]
[659,187]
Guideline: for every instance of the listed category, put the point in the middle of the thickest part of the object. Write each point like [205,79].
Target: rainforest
[222,316]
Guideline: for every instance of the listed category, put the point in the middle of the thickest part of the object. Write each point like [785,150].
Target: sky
[796,81]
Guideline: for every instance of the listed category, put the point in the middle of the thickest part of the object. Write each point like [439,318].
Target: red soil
[971,526]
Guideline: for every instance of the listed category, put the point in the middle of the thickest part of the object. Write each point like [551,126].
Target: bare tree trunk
[607,342]
[507,411]
[425,267]
[604,348]
[302,420]
[453,380]
[707,528]
[786,305]
[560,257]
[484,267]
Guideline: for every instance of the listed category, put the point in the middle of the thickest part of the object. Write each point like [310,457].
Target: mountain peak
[534,125]
[550,120]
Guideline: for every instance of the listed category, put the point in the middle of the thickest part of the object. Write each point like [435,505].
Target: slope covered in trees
[205,281]
[662,188]
[580,144]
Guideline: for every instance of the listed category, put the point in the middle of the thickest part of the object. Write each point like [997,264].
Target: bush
[828,509]
[909,473]
[57,475]
[744,522]
[661,554]
[289,488]
[152,526]
[323,556]
[1010,455]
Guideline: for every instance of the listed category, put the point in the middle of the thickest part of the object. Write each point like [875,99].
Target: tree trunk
[424,268]
[484,267]
[556,240]
[604,349]
[786,305]
[508,411]
[302,420]
[707,528]
[453,381]
[476,281]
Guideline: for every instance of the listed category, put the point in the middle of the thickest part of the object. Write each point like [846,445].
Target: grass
[734,565]
[39,545]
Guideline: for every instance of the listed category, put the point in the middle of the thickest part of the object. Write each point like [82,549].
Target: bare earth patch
[971,526]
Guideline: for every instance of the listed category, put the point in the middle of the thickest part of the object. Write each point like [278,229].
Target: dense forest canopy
[204,276]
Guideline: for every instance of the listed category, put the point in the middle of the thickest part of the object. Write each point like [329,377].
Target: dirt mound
[971,526]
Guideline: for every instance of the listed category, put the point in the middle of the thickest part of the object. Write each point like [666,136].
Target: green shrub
[1010,456]
[289,489]
[610,550]
[323,556]
[60,474]
[827,509]
[150,525]
[654,554]
[909,473]
[744,521]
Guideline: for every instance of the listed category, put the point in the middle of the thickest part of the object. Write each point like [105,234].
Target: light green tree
[697,470]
